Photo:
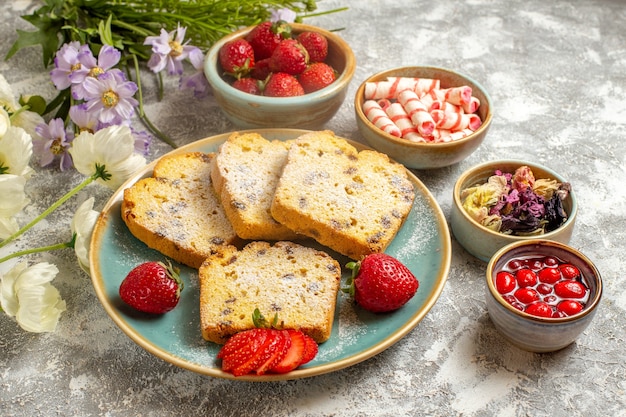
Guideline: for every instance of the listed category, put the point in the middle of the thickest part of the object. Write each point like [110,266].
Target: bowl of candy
[541,295]
[423,117]
[280,75]
[501,202]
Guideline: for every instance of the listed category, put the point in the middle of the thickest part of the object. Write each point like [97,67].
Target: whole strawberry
[281,84]
[317,76]
[380,283]
[248,85]
[315,44]
[266,36]
[237,57]
[152,287]
[289,57]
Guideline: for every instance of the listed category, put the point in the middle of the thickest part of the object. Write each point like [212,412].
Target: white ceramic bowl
[482,242]
[529,332]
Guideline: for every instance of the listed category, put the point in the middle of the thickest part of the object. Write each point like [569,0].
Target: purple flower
[196,82]
[108,57]
[284,14]
[111,97]
[54,141]
[65,64]
[84,119]
[168,51]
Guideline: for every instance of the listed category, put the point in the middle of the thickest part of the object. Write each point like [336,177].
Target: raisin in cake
[244,174]
[298,283]
[352,202]
[176,211]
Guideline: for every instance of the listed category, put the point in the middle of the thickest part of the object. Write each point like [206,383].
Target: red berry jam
[544,286]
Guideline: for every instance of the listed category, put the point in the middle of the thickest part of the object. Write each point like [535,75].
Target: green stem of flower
[69,244]
[18,111]
[142,115]
[53,207]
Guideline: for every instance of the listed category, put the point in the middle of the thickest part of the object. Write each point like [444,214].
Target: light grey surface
[556,71]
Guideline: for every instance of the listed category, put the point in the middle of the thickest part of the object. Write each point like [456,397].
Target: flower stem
[142,115]
[69,244]
[53,207]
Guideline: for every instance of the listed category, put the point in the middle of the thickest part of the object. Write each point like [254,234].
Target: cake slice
[297,283]
[352,202]
[176,211]
[245,173]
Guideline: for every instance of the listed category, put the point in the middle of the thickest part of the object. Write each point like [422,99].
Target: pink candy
[419,110]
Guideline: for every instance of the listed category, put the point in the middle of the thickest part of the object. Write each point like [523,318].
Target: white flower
[8,226]
[16,149]
[27,295]
[27,120]
[82,225]
[13,198]
[5,121]
[113,148]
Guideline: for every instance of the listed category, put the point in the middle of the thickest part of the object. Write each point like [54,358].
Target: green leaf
[36,104]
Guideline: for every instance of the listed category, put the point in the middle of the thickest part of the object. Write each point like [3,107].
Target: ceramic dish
[423,244]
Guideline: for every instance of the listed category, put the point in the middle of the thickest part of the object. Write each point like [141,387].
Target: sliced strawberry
[261,355]
[294,355]
[310,349]
[283,342]
[249,342]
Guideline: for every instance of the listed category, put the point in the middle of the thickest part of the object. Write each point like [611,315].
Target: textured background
[556,72]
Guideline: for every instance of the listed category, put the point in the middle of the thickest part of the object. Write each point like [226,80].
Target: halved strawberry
[261,355]
[310,349]
[294,355]
[283,342]
[241,348]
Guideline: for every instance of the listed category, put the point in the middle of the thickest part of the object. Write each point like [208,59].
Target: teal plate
[423,244]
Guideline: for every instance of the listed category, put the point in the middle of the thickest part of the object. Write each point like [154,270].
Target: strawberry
[315,44]
[283,343]
[261,69]
[266,36]
[290,57]
[281,84]
[310,349]
[295,353]
[380,283]
[237,57]
[266,349]
[317,76]
[152,287]
[248,85]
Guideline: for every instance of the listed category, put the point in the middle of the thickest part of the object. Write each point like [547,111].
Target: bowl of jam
[541,294]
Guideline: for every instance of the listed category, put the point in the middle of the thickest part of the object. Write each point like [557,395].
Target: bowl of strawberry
[280,75]
[541,295]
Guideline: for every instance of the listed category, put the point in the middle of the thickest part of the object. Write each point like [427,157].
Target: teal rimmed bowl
[310,111]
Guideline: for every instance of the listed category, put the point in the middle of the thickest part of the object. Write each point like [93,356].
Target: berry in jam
[543,286]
